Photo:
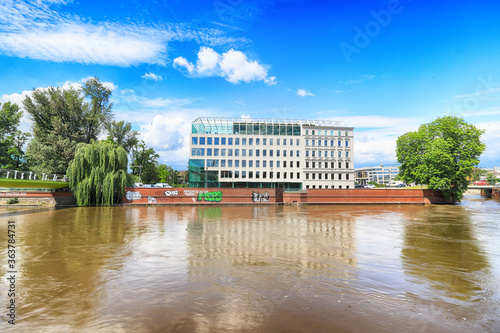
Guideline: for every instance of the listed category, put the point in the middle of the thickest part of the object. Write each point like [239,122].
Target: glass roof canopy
[262,126]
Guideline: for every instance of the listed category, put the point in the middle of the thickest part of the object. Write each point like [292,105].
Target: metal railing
[32,175]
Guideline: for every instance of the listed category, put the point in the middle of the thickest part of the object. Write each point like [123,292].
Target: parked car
[481,182]
[370,186]
[401,185]
[359,186]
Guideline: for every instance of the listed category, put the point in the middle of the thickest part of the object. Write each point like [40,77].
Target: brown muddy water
[255,268]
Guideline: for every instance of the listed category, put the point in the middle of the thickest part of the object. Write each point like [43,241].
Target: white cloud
[232,65]
[35,30]
[304,93]
[152,76]
[361,79]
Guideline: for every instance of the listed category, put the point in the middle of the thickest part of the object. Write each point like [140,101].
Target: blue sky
[384,67]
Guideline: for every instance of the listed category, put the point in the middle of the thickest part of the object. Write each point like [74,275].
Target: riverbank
[211,196]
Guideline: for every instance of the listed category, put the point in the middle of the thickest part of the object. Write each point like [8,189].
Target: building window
[340,176]
[291,153]
[307,153]
[229,152]
[298,164]
[278,175]
[223,163]
[340,153]
[319,143]
[291,164]
[229,163]
[264,142]
[340,165]
[243,152]
[297,153]
[307,176]
[243,163]
[216,152]
[346,154]
[319,186]
[291,142]
[307,132]
[237,141]
[284,142]
[271,164]
[347,143]
[202,141]
[194,140]
[277,142]
[326,143]
[284,175]
[209,141]
[264,153]
[284,164]
[257,174]
[277,153]
[347,187]
[271,142]
[250,164]
[244,141]
[264,164]
[257,141]
[313,165]
[243,174]
[339,143]
[284,153]
[222,141]
[333,165]
[314,176]
[250,141]
[298,175]
[250,152]
[319,153]
[312,132]
[307,142]
[257,164]
[347,165]
[223,152]
[313,153]
[230,141]
[277,164]
[257,152]
[347,177]
[298,142]
[307,165]
[236,152]
[319,176]
[340,186]
[236,163]
[313,142]
[271,153]
[250,174]
[307,186]
[264,174]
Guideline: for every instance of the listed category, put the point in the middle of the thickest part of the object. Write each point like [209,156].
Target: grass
[22,183]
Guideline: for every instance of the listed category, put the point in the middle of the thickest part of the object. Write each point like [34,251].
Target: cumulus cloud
[152,76]
[304,93]
[234,66]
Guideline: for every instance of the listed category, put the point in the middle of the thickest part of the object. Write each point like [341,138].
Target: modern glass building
[379,174]
[271,153]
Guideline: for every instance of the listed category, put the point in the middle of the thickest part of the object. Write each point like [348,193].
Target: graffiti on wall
[193,193]
[151,199]
[260,197]
[133,195]
[169,193]
[210,196]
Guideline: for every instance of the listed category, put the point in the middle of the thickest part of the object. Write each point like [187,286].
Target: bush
[12,201]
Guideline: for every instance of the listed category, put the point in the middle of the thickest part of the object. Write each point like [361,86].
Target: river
[255,268]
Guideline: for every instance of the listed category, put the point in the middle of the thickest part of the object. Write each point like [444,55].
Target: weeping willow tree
[98,174]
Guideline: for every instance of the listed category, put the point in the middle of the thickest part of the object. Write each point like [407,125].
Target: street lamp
[140,170]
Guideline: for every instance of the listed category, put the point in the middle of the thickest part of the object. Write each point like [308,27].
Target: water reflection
[440,247]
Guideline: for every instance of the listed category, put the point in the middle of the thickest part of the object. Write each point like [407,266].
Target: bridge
[482,187]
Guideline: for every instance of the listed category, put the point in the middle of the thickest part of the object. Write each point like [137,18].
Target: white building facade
[271,153]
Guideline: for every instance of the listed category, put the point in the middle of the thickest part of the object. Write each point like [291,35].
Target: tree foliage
[441,154]
[12,140]
[98,174]
[62,118]
[121,133]
[145,162]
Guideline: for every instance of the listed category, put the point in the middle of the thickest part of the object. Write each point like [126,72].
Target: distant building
[379,174]
[271,153]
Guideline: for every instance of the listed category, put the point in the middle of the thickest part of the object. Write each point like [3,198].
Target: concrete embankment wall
[143,196]
[39,198]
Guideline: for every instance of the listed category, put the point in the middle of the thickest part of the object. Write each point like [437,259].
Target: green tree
[121,133]
[98,174]
[145,162]
[441,154]
[62,118]
[164,172]
[12,140]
